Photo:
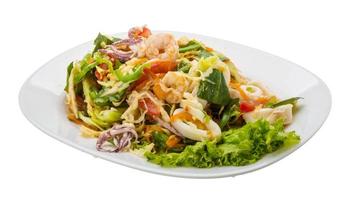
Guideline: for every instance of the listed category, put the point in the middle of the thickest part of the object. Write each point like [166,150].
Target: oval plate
[42,102]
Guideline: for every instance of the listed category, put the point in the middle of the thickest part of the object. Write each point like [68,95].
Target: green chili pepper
[286,101]
[99,59]
[132,76]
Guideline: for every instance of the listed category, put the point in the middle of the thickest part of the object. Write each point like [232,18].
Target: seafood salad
[175,102]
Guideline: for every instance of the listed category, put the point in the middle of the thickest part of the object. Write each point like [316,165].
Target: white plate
[42,102]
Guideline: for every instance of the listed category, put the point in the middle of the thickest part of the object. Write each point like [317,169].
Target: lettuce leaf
[236,147]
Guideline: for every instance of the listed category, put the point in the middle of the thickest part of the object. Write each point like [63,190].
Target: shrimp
[137,33]
[162,46]
[174,84]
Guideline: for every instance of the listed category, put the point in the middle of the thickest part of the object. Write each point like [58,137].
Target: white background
[34,166]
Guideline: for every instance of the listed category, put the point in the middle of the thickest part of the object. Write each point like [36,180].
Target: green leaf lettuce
[236,147]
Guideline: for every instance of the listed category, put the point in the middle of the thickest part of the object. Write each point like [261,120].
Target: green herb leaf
[286,101]
[159,139]
[214,89]
[101,40]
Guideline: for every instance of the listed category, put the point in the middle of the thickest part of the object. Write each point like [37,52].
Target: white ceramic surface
[42,102]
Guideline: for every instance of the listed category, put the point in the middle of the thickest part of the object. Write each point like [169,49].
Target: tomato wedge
[150,106]
[246,106]
[163,66]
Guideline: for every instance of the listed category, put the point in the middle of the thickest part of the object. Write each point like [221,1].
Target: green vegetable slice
[68,70]
[204,54]
[89,121]
[83,72]
[191,46]
[184,66]
[90,62]
[110,116]
[231,111]
[206,63]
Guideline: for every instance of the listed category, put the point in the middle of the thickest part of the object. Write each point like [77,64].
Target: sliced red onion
[121,136]
[120,43]
[121,49]
[118,54]
[118,50]
[167,126]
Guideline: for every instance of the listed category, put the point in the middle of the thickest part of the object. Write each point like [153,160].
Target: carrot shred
[158,91]
[185,116]
[172,141]
[262,100]
[240,90]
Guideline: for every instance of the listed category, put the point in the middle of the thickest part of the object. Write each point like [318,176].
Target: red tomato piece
[246,106]
[147,104]
[163,66]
